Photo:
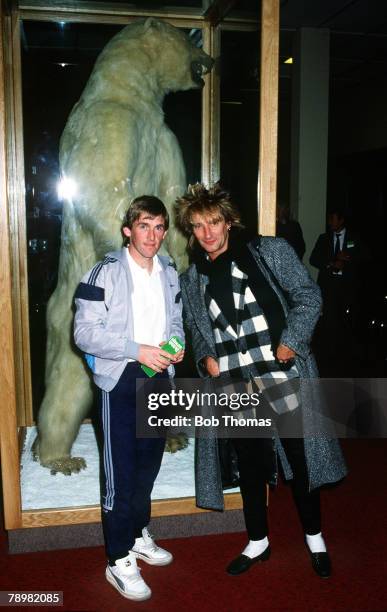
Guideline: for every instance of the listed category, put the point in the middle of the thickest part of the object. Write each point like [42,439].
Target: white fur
[115,146]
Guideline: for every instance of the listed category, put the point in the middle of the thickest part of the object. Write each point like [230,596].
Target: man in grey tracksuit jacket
[126,307]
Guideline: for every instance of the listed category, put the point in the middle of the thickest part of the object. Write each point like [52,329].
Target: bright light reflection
[66,189]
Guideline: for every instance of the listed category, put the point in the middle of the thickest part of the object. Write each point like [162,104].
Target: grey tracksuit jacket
[103,326]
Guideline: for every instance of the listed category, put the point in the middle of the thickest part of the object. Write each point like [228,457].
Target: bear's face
[156,54]
[180,64]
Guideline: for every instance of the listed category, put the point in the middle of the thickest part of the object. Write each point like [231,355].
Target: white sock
[256,547]
[316,543]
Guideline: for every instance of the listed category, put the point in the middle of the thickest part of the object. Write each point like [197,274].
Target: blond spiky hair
[210,201]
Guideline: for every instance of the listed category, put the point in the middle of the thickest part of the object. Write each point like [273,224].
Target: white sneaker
[125,577]
[145,548]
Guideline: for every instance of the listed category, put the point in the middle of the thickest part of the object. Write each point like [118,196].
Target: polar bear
[115,146]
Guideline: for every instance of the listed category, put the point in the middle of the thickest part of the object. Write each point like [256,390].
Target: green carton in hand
[173,346]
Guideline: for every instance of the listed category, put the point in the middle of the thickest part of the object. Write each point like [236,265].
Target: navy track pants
[129,466]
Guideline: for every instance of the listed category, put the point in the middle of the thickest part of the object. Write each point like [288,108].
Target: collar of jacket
[121,256]
[166,263]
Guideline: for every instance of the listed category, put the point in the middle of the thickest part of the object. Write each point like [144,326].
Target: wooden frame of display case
[15,373]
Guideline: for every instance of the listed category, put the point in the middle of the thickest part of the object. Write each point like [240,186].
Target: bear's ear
[149,23]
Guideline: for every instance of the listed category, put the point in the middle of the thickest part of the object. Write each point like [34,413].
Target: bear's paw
[65,465]
[176,442]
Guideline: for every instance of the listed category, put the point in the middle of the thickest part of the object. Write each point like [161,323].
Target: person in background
[340,256]
[289,229]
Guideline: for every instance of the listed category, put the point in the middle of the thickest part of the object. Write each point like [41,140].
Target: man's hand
[154,357]
[343,256]
[337,265]
[284,353]
[177,357]
[211,365]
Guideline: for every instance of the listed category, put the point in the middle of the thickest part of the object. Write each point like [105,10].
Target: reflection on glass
[239,119]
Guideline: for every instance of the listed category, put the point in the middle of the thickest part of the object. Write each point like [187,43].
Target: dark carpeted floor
[354,526]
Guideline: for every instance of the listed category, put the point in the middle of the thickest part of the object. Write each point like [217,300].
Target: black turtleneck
[220,285]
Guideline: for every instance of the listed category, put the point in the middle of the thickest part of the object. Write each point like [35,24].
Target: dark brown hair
[144,204]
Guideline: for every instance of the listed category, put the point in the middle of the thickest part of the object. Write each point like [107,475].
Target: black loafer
[321,564]
[243,562]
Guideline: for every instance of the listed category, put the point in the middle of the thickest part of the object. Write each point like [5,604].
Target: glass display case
[49,53]
[57,59]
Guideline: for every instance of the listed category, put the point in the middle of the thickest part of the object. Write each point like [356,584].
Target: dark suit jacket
[322,256]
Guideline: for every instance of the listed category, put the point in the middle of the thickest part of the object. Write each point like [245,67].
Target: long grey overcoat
[302,305]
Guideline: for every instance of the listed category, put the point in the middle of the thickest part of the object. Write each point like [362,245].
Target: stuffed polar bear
[115,146]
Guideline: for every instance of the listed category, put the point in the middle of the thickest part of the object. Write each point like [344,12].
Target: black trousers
[252,462]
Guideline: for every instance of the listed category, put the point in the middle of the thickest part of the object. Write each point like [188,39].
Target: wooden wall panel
[8,426]
[75,516]
[267,174]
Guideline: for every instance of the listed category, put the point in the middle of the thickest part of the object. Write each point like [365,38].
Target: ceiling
[360,16]
[358,41]
[355,16]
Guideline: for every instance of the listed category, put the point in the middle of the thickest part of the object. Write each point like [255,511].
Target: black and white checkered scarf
[245,351]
